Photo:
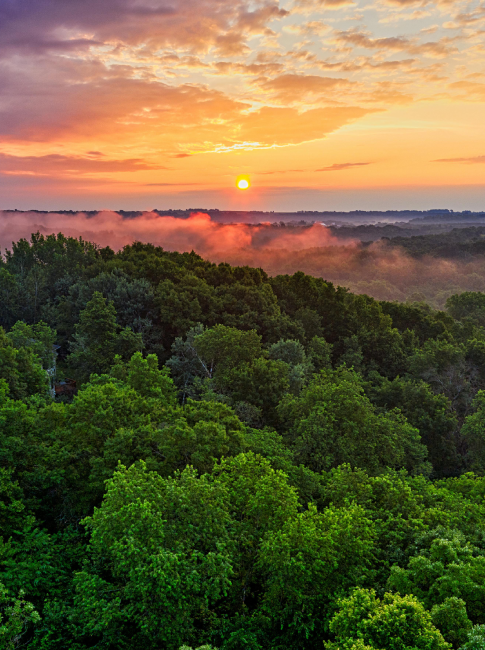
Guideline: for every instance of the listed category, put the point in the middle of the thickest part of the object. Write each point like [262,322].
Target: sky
[323,104]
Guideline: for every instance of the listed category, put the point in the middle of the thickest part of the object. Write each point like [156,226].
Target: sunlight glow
[242,183]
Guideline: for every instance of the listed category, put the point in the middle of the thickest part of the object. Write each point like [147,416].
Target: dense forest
[200,455]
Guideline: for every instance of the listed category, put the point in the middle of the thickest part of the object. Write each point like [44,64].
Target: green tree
[12,507]
[473,432]
[293,353]
[262,383]
[98,340]
[9,298]
[320,353]
[332,422]
[451,619]
[21,369]
[260,502]
[382,346]
[184,303]
[271,445]
[309,562]
[352,355]
[429,412]
[446,568]
[133,298]
[185,363]
[301,292]
[201,434]
[311,321]
[39,338]
[470,304]
[33,452]
[420,319]
[221,348]
[255,307]
[93,348]
[476,639]
[443,365]
[409,513]
[393,623]
[17,616]
[109,420]
[161,558]
[145,376]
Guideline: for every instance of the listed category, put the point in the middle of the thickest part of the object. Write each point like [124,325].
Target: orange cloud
[469,89]
[57,164]
[291,87]
[253,69]
[192,116]
[288,126]
[312,5]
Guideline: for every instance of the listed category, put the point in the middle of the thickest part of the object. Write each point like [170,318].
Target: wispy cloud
[168,184]
[355,38]
[293,87]
[94,162]
[470,160]
[281,171]
[337,167]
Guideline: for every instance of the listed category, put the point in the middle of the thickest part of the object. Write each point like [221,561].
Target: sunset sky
[141,104]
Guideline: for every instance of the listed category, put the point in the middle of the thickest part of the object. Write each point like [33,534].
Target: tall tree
[97,339]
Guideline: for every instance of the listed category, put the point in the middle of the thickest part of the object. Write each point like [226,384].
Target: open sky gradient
[325,104]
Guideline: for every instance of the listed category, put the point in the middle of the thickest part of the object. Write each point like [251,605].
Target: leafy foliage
[394,623]
[242,462]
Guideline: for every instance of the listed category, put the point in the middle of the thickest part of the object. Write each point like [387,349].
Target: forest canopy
[198,455]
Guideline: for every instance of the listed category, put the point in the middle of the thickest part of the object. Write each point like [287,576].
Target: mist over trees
[404,265]
[245,461]
[409,256]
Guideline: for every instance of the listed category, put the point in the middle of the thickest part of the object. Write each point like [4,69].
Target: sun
[242,182]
